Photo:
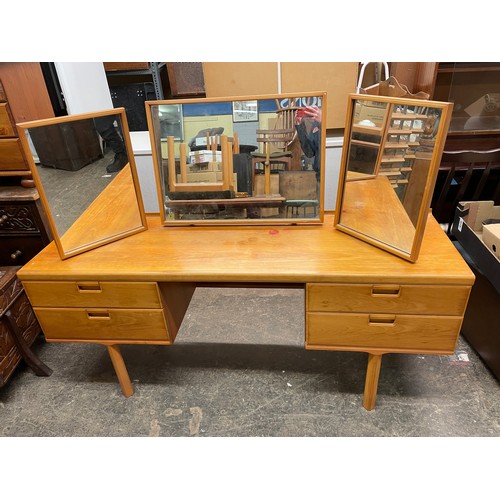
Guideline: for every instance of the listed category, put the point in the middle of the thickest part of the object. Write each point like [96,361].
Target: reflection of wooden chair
[227,146]
[275,144]
[278,143]
[465,176]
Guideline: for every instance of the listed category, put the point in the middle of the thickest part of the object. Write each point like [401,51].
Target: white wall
[332,170]
[84,86]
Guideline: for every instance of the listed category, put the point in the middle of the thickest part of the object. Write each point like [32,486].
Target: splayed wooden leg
[121,370]
[371,382]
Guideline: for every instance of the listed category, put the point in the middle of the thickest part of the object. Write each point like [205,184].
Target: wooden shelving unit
[404,129]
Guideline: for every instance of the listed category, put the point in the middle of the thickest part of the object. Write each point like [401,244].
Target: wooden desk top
[265,254]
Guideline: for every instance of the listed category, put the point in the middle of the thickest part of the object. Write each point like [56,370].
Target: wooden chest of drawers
[14,300]
[109,312]
[12,159]
[384,317]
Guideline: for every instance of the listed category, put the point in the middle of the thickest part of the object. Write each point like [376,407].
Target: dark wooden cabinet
[24,228]
[67,146]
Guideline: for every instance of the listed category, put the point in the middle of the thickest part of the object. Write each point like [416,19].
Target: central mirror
[392,149]
[84,170]
[240,160]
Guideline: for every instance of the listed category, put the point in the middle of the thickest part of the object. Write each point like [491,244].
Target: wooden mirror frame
[227,145]
[25,127]
[425,201]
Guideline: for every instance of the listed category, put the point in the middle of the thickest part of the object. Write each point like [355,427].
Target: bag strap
[362,73]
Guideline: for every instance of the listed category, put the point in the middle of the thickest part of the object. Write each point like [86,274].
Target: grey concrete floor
[238,368]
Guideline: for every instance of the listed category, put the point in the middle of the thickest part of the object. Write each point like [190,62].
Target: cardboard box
[375,113]
[468,228]
[209,166]
[205,155]
[491,237]
[196,177]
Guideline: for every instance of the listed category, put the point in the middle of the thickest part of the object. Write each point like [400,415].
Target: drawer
[423,333]
[11,155]
[6,127]
[17,251]
[105,294]
[381,298]
[102,324]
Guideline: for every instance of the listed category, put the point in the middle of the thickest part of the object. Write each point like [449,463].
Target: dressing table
[135,284]
[357,297]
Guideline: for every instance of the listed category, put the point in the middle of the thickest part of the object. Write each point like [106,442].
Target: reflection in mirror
[393,149]
[257,159]
[86,177]
[366,137]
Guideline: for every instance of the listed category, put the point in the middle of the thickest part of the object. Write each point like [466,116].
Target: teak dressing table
[357,297]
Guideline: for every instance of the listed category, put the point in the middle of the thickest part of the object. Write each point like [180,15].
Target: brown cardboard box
[209,166]
[205,155]
[205,177]
[491,238]
[374,113]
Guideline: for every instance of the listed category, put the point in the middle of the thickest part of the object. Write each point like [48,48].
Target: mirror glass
[85,173]
[392,148]
[250,159]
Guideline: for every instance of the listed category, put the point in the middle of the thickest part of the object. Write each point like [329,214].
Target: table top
[254,254]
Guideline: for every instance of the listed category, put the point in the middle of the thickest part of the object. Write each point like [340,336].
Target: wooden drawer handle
[89,287]
[382,319]
[98,315]
[386,290]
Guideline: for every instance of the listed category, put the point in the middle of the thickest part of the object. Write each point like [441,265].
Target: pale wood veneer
[358,297]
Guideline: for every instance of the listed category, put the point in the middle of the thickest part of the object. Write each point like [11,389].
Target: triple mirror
[246,159]
[84,170]
[392,149]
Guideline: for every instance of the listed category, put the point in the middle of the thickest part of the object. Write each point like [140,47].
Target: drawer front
[11,155]
[423,333]
[102,324]
[17,251]
[6,127]
[373,298]
[93,294]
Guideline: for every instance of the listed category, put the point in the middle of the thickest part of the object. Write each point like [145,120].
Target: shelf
[362,129]
[468,69]
[408,116]
[397,131]
[365,144]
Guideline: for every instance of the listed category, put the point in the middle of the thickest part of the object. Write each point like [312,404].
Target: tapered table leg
[121,370]
[371,382]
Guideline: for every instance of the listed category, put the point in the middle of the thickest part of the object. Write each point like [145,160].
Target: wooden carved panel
[17,218]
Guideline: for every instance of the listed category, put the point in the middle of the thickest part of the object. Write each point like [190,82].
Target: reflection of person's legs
[107,130]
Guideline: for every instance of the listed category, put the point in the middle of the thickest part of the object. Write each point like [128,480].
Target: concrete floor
[238,369]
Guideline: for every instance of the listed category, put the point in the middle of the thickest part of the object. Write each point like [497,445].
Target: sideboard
[357,297]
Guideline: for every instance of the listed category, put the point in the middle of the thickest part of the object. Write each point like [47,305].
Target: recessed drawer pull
[385,290]
[98,315]
[89,287]
[381,319]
